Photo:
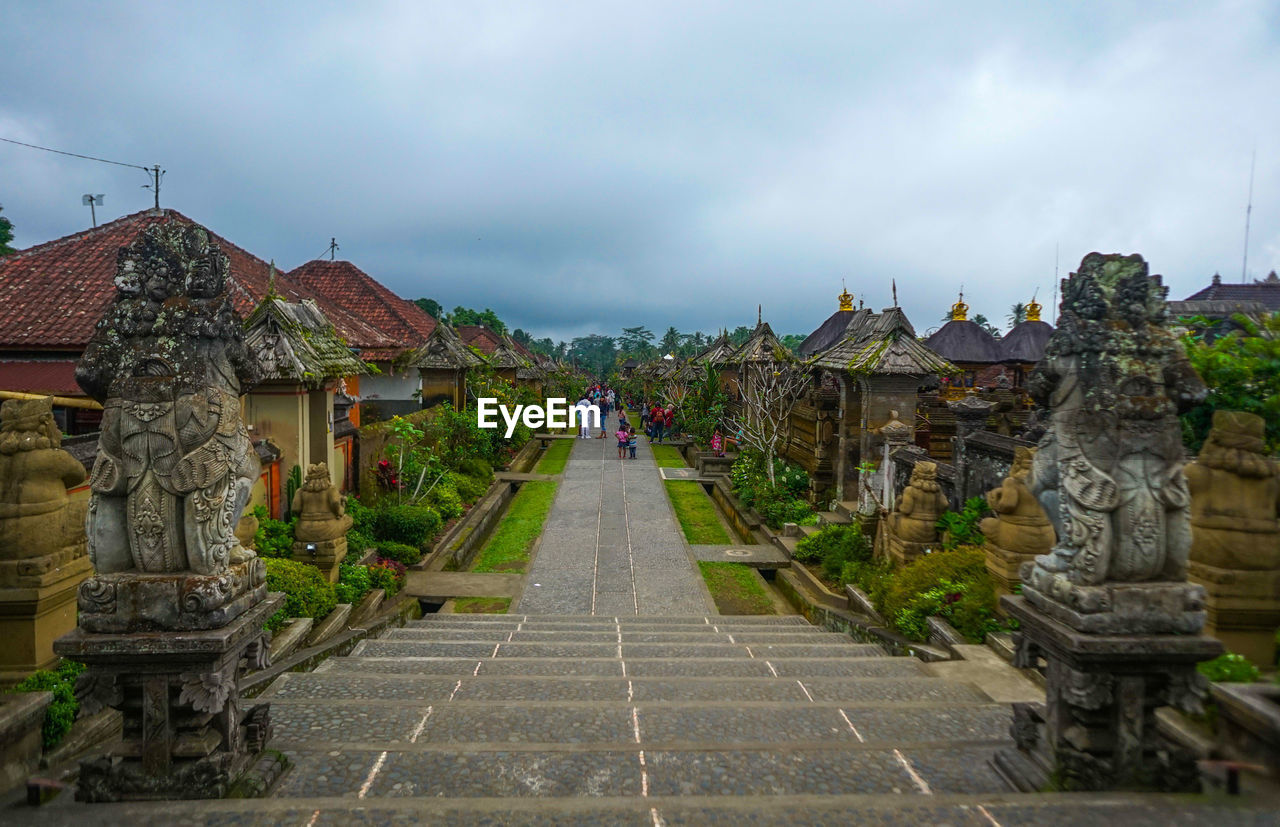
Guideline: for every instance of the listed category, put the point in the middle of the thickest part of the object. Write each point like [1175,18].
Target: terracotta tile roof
[52,294]
[55,377]
[1265,291]
[479,337]
[349,287]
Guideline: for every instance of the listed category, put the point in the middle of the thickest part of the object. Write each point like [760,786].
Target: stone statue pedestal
[1243,609]
[1116,608]
[184,733]
[902,552]
[1005,567]
[37,606]
[325,555]
[133,602]
[1097,728]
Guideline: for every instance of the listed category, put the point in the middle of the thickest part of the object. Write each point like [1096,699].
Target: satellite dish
[95,200]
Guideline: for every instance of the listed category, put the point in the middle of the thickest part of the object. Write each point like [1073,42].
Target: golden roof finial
[845,297]
[960,310]
[1033,311]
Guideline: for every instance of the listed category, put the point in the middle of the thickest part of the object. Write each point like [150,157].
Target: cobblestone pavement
[611,544]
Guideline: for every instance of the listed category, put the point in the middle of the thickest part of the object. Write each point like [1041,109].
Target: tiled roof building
[347,286]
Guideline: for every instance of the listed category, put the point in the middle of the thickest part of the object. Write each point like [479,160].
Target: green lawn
[696,513]
[737,589]
[555,457]
[508,549]
[481,605]
[667,457]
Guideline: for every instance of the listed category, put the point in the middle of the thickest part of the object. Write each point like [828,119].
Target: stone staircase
[461,719]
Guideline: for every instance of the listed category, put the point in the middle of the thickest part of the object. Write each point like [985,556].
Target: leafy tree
[792,342]
[740,334]
[1017,315]
[1242,372]
[431,307]
[486,317]
[522,337]
[594,354]
[636,341]
[6,235]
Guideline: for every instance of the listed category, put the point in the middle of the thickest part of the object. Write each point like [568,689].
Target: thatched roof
[760,347]
[883,344]
[1025,343]
[719,352]
[295,341]
[444,349]
[963,341]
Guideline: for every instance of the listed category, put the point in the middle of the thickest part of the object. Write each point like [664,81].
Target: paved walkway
[611,545]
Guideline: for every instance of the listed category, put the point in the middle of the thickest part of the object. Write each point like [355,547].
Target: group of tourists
[657,421]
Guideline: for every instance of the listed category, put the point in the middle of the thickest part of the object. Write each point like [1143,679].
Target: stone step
[433,689]
[527,649]
[570,628]
[847,508]
[803,668]
[524,789]
[610,620]
[492,635]
[290,637]
[832,518]
[324,724]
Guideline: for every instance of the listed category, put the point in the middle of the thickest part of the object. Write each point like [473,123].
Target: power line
[76,155]
[153,172]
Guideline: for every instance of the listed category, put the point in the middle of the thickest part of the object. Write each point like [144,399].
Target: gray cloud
[583,167]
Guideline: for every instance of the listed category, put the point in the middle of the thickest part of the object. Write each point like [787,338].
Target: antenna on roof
[92,202]
[333,247]
[155,174]
[1244,268]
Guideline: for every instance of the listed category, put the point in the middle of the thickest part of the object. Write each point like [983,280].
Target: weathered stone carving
[913,526]
[168,363]
[1235,534]
[177,607]
[1019,529]
[1109,472]
[323,522]
[1109,609]
[42,545]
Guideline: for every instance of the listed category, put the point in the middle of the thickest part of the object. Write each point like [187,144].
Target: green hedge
[307,592]
[353,583]
[410,524]
[400,552]
[834,546]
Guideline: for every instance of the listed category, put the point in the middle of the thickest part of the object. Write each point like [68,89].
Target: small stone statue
[921,505]
[37,518]
[321,536]
[1235,534]
[1020,524]
[321,510]
[1019,529]
[168,363]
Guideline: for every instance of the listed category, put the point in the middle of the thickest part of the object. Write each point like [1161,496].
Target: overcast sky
[581,167]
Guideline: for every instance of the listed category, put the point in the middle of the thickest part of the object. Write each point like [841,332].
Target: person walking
[622,441]
[631,441]
[669,420]
[582,406]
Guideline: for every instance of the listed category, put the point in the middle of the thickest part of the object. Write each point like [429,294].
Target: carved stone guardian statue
[913,526]
[1235,534]
[1109,609]
[1019,529]
[176,609]
[321,535]
[42,546]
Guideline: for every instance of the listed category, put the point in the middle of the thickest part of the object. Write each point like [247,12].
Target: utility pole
[333,247]
[155,174]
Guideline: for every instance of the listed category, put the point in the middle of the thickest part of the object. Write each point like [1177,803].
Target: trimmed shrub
[410,524]
[961,529]
[477,469]
[834,546]
[307,593]
[953,585]
[1229,668]
[387,575]
[444,499]
[361,516]
[353,583]
[61,712]
[470,488]
[402,553]
[358,542]
[274,538]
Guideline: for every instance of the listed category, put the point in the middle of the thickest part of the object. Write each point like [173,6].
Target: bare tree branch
[770,391]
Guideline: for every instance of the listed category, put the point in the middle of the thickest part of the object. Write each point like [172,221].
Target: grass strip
[736,588]
[508,549]
[667,456]
[481,605]
[555,457]
[696,513]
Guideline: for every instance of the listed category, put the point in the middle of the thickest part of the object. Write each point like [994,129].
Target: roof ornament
[1033,311]
[845,297]
[759,314]
[960,310]
[894,282]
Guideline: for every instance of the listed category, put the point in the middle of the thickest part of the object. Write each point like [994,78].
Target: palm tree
[1017,315]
